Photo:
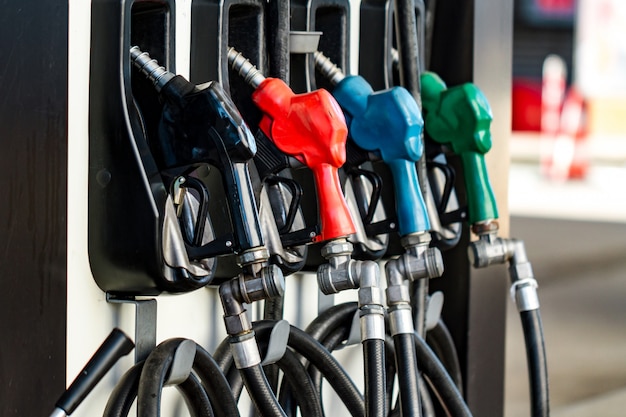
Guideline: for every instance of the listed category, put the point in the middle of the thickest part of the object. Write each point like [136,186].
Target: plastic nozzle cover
[390,123]
[461,117]
[310,127]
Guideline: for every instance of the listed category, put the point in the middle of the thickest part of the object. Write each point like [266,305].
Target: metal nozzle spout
[150,68]
[328,68]
[245,68]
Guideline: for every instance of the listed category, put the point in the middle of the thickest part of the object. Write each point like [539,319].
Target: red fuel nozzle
[311,128]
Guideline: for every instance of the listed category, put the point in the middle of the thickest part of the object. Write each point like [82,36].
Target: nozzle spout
[328,68]
[245,68]
[150,68]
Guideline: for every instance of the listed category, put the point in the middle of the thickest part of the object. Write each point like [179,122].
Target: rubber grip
[480,197]
[333,210]
[410,205]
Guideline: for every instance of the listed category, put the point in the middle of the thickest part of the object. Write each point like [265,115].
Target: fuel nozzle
[460,117]
[200,124]
[311,128]
[390,124]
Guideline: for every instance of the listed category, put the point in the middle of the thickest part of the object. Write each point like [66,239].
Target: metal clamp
[145,323]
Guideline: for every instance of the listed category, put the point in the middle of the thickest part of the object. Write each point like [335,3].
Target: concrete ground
[580,263]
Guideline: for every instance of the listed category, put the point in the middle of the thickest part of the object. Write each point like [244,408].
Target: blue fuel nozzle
[390,123]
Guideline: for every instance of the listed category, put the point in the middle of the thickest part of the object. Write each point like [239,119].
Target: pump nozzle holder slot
[135,241]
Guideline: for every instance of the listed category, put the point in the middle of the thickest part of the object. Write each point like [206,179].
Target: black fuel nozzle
[201,125]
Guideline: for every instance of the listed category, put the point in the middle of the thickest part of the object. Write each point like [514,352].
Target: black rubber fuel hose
[440,341]
[450,397]
[314,352]
[305,394]
[295,376]
[215,384]
[330,319]
[153,378]
[260,392]
[332,340]
[408,377]
[124,393]
[223,355]
[375,379]
[537,365]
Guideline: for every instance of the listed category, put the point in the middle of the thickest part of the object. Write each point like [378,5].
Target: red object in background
[556,6]
[310,127]
[526,105]
[574,127]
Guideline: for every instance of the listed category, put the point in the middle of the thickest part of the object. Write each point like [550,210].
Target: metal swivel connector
[150,68]
[420,260]
[489,249]
[245,289]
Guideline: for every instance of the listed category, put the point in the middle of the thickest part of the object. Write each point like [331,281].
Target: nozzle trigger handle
[410,205]
[310,127]
[334,215]
[461,117]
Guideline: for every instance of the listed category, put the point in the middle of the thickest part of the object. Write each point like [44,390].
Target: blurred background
[568,170]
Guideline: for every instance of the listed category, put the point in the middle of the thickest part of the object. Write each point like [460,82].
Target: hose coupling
[372,321]
[401,319]
[245,350]
[420,260]
[340,273]
[523,283]
[370,298]
[246,289]
[253,260]
[490,249]
[397,287]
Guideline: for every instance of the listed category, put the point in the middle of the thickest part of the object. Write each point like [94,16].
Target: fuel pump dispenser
[311,128]
[460,118]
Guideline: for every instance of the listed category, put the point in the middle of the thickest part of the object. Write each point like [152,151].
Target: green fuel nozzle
[460,117]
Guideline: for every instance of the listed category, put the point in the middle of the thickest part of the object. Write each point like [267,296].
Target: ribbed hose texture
[124,393]
[375,378]
[153,378]
[440,341]
[537,364]
[215,384]
[319,357]
[260,392]
[408,380]
[449,395]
